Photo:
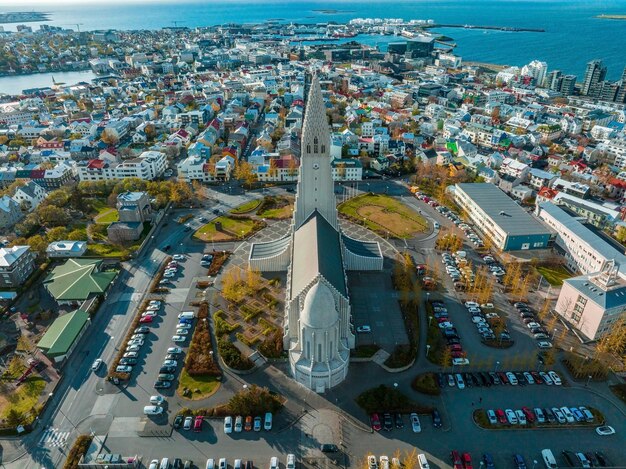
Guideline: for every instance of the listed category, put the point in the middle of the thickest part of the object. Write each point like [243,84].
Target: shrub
[250,312]
[426,383]
[232,356]
[272,346]
[219,258]
[401,356]
[582,367]
[222,326]
[200,361]
[250,342]
[386,399]
[254,401]
[78,450]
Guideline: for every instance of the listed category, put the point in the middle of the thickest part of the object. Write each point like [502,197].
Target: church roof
[317,251]
[315,123]
[319,310]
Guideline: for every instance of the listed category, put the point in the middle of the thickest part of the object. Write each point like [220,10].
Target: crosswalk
[53,437]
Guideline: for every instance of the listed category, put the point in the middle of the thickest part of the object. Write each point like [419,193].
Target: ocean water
[573,35]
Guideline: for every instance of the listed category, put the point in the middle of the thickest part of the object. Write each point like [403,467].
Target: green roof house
[61,337]
[78,280]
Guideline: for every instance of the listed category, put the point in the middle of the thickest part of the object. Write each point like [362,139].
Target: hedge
[78,450]
[200,361]
[426,383]
[232,356]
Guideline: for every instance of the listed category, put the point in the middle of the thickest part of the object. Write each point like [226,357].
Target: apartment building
[584,251]
[16,265]
[148,166]
[498,218]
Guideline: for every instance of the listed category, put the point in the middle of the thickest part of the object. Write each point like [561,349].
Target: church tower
[315,184]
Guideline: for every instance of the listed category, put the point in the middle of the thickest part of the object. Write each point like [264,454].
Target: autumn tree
[244,172]
[109,137]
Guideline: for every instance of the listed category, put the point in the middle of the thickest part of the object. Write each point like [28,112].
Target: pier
[493,28]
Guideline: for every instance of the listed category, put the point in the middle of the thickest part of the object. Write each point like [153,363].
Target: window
[319,352]
[576,315]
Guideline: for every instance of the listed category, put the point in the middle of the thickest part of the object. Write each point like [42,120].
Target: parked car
[436,417]
[197,423]
[415,423]
[457,463]
[188,423]
[375,422]
[257,424]
[467,461]
[95,366]
[387,422]
[228,424]
[501,416]
[248,423]
[491,415]
[238,424]
[605,430]
[519,462]
[511,417]
[267,423]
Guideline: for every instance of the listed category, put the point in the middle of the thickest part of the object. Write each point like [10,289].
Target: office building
[594,76]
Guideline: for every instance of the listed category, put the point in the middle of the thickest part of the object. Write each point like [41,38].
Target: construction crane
[78,25]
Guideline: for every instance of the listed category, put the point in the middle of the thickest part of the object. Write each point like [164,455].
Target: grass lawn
[247,207]
[232,228]
[278,213]
[201,386]
[554,274]
[24,398]
[107,217]
[383,214]
[105,250]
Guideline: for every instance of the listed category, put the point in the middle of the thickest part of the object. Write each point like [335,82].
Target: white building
[316,254]
[66,249]
[148,166]
[537,70]
[583,250]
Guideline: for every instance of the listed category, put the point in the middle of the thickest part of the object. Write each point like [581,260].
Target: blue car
[518,459]
[488,460]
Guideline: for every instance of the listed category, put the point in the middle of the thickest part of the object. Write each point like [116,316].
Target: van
[422,461]
[187,315]
[237,464]
[291,462]
[548,459]
[268,421]
[165,464]
[210,464]
[152,410]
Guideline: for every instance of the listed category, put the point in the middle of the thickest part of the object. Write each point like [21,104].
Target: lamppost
[395,385]
[430,320]
[427,349]
[553,334]
[534,463]
[497,365]
[588,380]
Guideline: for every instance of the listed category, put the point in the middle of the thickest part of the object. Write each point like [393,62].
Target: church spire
[315,132]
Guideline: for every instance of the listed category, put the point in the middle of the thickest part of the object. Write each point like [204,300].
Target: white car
[487,306]
[471,304]
[154,464]
[415,423]
[123,369]
[556,379]
[460,361]
[133,348]
[174,350]
[478,320]
[181,331]
[178,338]
[459,381]
[188,423]
[178,257]
[521,418]
[228,424]
[153,307]
[149,313]
[183,325]
[492,315]
[138,342]
[371,462]
[96,365]
[491,415]
[364,329]
[568,414]
[155,303]
[544,344]
[445,325]
[512,378]
[157,400]
[169,275]
[546,378]
[170,363]
[529,378]
[384,462]
[238,423]
[473,310]
[605,430]
[532,325]
[511,417]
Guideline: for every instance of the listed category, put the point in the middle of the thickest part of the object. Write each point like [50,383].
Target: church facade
[317,324]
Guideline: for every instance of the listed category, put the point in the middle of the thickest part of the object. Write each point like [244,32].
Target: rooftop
[62,333]
[502,210]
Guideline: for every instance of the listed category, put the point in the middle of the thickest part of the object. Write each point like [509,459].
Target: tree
[51,215]
[37,244]
[245,173]
[56,234]
[15,418]
[109,137]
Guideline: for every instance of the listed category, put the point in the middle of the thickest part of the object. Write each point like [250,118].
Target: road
[83,402]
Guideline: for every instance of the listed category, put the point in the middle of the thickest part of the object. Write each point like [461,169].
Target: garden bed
[426,383]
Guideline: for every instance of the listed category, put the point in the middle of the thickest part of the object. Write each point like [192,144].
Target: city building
[78,280]
[148,166]
[10,212]
[593,303]
[16,265]
[583,249]
[316,255]
[66,249]
[29,196]
[63,334]
[498,218]
[594,76]
[134,207]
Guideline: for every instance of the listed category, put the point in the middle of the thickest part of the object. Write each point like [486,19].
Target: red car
[503,377]
[530,415]
[456,348]
[375,422]
[456,354]
[537,376]
[443,319]
[467,461]
[456,459]
[501,416]
[145,319]
[197,424]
